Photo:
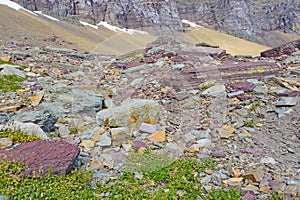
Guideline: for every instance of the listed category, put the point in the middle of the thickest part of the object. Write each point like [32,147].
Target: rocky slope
[244,18]
[171,98]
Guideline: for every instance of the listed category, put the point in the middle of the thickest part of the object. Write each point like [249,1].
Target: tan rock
[227,131]
[236,172]
[209,171]
[255,176]
[238,180]
[194,148]
[120,135]
[244,131]
[95,138]
[159,136]
[96,165]
[87,144]
[5,143]
[5,58]
[35,100]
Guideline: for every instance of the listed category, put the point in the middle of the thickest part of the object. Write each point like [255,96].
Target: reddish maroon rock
[58,156]
[286,49]
[244,86]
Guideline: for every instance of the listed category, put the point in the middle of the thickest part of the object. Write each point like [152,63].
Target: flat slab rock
[58,156]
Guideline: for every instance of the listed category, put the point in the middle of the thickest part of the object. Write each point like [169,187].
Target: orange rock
[159,136]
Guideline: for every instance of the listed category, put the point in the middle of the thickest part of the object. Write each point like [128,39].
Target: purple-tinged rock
[202,156]
[41,156]
[244,86]
[288,94]
[136,144]
[243,97]
[254,151]
[234,94]
[248,195]
[218,154]
[148,128]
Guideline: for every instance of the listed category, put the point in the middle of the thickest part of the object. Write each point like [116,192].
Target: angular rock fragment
[131,113]
[44,118]
[41,156]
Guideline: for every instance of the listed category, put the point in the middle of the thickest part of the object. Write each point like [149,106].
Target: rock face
[57,156]
[286,49]
[246,18]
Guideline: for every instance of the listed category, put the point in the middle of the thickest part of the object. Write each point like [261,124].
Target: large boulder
[44,118]
[130,114]
[41,156]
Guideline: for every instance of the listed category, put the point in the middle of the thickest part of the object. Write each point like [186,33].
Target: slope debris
[171,97]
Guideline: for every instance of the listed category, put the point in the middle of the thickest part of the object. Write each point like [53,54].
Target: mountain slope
[231,44]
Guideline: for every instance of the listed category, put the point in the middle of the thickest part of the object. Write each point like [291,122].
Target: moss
[17,136]
[10,83]
[17,186]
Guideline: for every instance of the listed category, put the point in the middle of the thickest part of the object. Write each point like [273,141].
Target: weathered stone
[87,145]
[287,101]
[5,143]
[131,113]
[248,195]
[234,94]
[255,176]
[136,144]
[285,49]
[148,128]
[28,128]
[253,151]
[120,135]
[215,91]
[159,136]
[105,140]
[227,131]
[44,118]
[11,70]
[218,154]
[41,156]
[244,86]
[268,160]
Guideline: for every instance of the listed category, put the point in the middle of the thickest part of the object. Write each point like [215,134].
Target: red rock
[244,86]
[285,49]
[58,156]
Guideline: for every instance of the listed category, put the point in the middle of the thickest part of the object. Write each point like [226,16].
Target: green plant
[73,130]
[254,106]
[147,161]
[223,194]
[205,86]
[178,180]
[249,124]
[276,196]
[17,186]
[6,62]
[10,83]
[17,136]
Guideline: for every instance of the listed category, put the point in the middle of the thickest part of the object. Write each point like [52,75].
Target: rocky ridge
[248,19]
[171,98]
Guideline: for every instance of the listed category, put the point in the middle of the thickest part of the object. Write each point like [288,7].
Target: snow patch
[108,26]
[15,6]
[87,24]
[49,17]
[115,29]
[190,23]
